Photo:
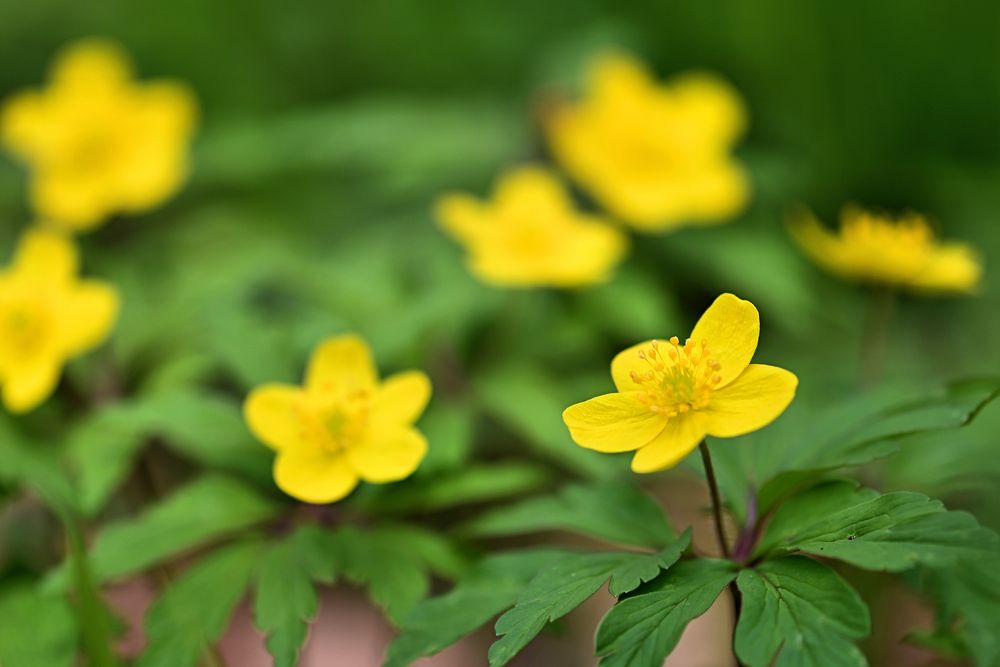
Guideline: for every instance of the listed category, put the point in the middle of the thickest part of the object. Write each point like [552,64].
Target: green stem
[713,487]
[874,343]
[93,616]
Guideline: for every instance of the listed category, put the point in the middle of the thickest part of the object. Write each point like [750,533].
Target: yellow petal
[531,191]
[342,365]
[730,327]
[613,423]
[615,76]
[680,436]
[74,201]
[750,402]
[389,455]
[26,385]
[820,244]
[46,256]
[89,316]
[712,105]
[91,62]
[462,216]
[625,363]
[313,475]
[953,267]
[22,122]
[274,413]
[402,398]
[591,250]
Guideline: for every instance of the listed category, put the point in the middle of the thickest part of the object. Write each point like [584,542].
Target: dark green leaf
[487,590]
[611,510]
[195,610]
[208,509]
[642,630]
[892,532]
[801,611]
[39,629]
[567,583]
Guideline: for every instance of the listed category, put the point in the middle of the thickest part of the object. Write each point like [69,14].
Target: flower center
[344,422]
[23,328]
[680,378]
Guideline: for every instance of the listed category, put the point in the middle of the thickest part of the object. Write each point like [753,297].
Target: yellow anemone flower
[47,316]
[670,396]
[96,142]
[657,156]
[901,252]
[530,235]
[343,426]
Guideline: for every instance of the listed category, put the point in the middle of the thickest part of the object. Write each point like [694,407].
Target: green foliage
[893,531]
[206,510]
[492,586]
[39,628]
[567,583]
[195,610]
[799,610]
[642,630]
[612,511]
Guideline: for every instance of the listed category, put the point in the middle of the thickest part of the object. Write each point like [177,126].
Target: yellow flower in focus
[657,156]
[96,142]
[671,395]
[901,252]
[47,316]
[343,425]
[530,235]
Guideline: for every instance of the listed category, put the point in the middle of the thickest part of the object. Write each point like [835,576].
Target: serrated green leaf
[487,590]
[642,630]
[205,510]
[611,510]
[801,611]
[567,583]
[193,612]
[892,532]
[286,598]
[39,628]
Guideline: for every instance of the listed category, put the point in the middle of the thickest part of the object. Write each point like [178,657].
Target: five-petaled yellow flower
[343,426]
[671,395]
[901,252]
[47,316]
[531,235]
[96,142]
[657,156]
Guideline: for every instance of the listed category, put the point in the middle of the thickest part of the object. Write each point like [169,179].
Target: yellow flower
[901,252]
[96,142]
[657,156]
[670,396]
[530,235]
[47,316]
[343,426]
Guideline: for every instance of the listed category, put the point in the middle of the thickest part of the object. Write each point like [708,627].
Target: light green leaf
[610,510]
[39,628]
[195,609]
[34,466]
[286,597]
[642,630]
[892,532]
[567,583]
[801,611]
[449,427]
[208,509]
[487,590]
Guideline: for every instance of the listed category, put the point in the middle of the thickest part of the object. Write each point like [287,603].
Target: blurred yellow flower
[530,235]
[343,426]
[47,316]
[901,252]
[657,156]
[670,396]
[96,142]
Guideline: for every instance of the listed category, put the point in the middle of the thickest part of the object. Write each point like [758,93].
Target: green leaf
[968,597]
[801,611]
[286,597]
[567,583]
[194,611]
[892,532]
[642,630]
[530,403]
[470,484]
[36,467]
[611,510]
[39,628]
[491,587]
[205,510]
[449,427]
